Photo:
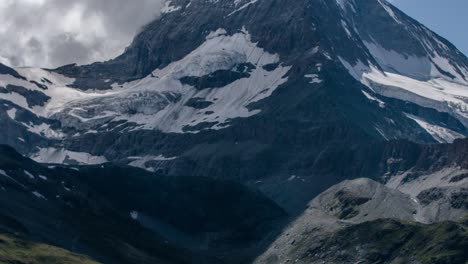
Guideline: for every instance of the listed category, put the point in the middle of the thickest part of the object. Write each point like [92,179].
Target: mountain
[128,215]
[224,119]
[121,214]
[362,221]
[383,241]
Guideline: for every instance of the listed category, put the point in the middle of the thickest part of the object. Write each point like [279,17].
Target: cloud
[51,33]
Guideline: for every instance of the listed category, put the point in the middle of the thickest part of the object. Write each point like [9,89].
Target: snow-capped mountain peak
[319,63]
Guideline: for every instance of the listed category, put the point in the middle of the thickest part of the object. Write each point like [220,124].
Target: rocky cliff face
[366,222]
[382,241]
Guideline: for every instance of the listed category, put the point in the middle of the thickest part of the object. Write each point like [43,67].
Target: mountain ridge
[119,214]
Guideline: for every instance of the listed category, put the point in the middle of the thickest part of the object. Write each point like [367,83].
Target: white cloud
[51,33]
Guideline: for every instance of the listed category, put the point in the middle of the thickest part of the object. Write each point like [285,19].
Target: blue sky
[448,18]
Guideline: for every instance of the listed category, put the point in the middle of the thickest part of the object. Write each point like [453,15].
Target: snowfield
[161,101]
[417,80]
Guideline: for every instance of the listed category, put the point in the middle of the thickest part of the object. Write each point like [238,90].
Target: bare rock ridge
[364,221]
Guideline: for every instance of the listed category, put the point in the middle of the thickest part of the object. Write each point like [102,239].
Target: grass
[18,251]
[393,241]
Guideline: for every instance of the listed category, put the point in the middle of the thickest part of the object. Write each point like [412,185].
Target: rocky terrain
[383,241]
[362,221]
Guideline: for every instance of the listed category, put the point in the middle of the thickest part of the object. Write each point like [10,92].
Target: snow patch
[382,133]
[140,162]
[440,134]
[251,2]
[390,11]
[437,93]
[292,178]
[44,130]
[62,156]
[418,68]
[29,174]
[346,5]
[159,101]
[314,78]
[38,195]
[373,98]
[438,179]
[4,174]
[217,33]
[134,215]
[346,28]
[169,8]
[12,113]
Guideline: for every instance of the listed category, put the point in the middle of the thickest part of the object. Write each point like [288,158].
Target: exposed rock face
[364,200]
[350,223]
[385,241]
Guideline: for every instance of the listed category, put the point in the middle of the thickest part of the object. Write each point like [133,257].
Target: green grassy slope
[18,251]
[392,241]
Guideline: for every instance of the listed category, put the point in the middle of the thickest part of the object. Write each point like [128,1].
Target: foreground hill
[127,215]
[362,221]
[16,250]
[384,241]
